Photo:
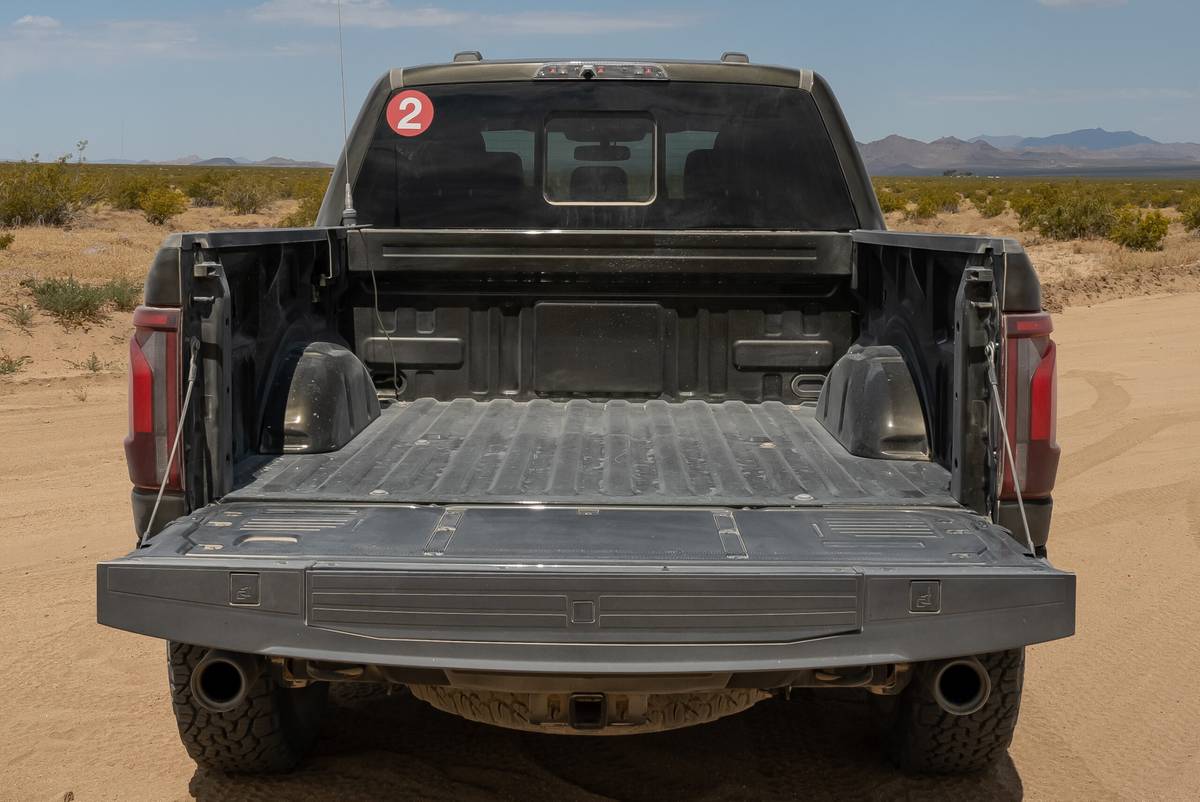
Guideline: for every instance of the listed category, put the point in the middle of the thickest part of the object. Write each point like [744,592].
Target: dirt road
[1111,713]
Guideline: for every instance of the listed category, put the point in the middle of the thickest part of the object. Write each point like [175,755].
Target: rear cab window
[608,155]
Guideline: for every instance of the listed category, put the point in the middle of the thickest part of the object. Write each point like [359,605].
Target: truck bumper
[560,590]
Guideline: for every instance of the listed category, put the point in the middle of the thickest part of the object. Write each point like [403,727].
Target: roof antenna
[349,215]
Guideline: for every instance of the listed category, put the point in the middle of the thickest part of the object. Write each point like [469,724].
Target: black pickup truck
[598,401]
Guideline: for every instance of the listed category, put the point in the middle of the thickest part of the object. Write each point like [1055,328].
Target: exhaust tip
[961,687]
[221,680]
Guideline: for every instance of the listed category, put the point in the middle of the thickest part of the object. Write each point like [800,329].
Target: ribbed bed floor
[585,452]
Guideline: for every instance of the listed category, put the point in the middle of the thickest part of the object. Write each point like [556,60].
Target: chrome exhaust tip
[221,680]
[961,686]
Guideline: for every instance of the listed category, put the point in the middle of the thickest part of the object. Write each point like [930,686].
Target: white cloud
[33,45]
[580,23]
[979,97]
[36,42]
[1082,3]
[1070,95]
[355,13]
[383,14]
[33,22]
[146,36]
[302,49]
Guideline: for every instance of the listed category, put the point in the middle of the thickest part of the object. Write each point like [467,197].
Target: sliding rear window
[608,155]
[599,158]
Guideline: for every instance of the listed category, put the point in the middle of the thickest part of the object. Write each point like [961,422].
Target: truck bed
[601,453]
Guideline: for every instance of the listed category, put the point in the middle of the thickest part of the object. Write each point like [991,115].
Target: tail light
[1030,391]
[153,397]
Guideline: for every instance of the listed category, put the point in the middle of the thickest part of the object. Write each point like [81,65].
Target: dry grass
[1180,248]
[10,364]
[967,220]
[1084,271]
[107,244]
[103,245]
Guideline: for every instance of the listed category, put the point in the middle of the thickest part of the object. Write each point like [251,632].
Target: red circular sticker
[410,113]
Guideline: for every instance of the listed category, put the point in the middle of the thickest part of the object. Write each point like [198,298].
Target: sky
[146,79]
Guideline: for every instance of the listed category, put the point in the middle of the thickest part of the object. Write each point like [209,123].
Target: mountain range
[1087,151]
[1091,150]
[1084,139]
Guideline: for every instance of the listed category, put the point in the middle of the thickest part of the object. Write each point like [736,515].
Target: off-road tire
[925,739]
[664,711]
[270,732]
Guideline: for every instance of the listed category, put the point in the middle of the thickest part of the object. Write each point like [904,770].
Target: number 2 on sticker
[410,113]
[406,122]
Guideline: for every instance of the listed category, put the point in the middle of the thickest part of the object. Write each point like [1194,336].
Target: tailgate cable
[387,334]
[990,350]
[187,397]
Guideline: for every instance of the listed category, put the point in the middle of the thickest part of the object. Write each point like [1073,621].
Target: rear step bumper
[586,590]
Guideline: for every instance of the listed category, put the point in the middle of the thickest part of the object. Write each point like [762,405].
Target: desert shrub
[20,316]
[305,214]
[925,209]
[891,201]
[245,195]
[54,192]
[206,189]
[123,293]
[1073,212]
[1161,197]
[944,199]
[1189,213]
[127,191]
[68,301]
[949,203]
[1032,198]
[1023,204]
[161,204]
[1138,231]
[38,192]
[11,364]
[305,186]
[93,364]
[91,186]
[993,206]
[6,239]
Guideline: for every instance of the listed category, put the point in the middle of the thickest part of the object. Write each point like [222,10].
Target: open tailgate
[585,589]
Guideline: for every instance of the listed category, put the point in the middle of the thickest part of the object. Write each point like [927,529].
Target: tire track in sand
[1111,398]
[1121,442]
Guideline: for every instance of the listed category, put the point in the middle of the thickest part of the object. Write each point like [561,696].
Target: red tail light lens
[1030,379]
[153,397]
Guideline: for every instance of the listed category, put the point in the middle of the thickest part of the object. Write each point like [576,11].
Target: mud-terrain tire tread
[270,732]
[664,711]
[925,739]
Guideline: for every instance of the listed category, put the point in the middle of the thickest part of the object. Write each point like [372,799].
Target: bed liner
[592,452]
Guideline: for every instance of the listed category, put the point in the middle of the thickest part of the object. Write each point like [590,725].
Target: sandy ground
[1109,714]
